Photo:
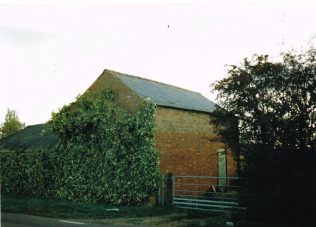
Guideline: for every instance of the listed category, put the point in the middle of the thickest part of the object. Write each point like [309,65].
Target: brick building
[184,136]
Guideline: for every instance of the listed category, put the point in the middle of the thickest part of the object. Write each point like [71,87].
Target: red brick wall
[185,139]
[187,143]
[190,154]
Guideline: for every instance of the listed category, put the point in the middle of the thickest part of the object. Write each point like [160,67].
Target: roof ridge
[35,125]
[142,78]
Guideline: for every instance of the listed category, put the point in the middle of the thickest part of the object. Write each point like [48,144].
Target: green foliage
[27,173]
[269,97]
[274,103]
[105,154]
[11,124]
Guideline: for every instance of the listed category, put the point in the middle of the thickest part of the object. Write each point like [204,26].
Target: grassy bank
[66,209]
[118,215]
[99,213]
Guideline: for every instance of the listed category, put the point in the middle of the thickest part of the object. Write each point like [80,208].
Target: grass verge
[66,209]
[99,213]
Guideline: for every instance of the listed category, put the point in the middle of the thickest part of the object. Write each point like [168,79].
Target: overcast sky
[50,53]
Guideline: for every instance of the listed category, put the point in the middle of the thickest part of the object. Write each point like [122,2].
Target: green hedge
[26,173]
[105,155]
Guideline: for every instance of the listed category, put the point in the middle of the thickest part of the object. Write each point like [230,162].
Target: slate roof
[166,95]
[31,137]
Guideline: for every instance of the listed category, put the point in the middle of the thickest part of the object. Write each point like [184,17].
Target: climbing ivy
[105,154]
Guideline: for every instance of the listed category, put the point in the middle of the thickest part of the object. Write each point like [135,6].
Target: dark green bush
[27,173]
[280,188]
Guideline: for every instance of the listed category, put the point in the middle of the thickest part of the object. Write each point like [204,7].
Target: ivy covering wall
[104,155]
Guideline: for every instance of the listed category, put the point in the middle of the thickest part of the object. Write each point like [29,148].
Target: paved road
[17,220]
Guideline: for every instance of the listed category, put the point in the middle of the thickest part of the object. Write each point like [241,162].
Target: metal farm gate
[206,193]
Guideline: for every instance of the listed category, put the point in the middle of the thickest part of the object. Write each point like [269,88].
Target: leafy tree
[274,103]
[11,124]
